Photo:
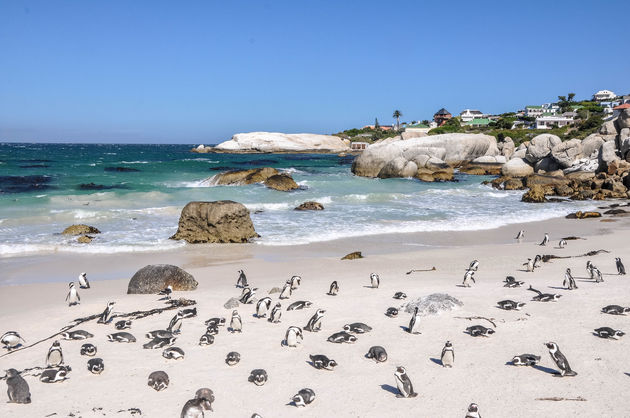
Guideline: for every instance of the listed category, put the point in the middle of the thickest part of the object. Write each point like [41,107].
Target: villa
[441,116]
[604,95]
[549,122]
[478,122]
[534,111]
[468,115]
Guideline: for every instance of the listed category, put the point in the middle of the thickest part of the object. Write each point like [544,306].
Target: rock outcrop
[84,239]
[221,221]
[241,177]
[280,142]
[517,167]
[583,215]
[540,147]
[433,304]
[281,182]
[565,153]
[535,194]
[310,206]
[80,229]
[155,277]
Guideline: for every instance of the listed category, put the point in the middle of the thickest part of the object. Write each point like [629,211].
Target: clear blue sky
[199,71]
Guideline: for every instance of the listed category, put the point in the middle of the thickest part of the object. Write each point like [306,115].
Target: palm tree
[571,96]
[397,114]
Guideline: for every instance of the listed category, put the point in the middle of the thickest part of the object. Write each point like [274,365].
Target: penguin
[375,281]
[562,243]
[589,269]
[206,339]
[530,265]
[300,304]
[286,291]
[193,409]
[88,350]
[615,310]
[83,281]
[236,325]
[621,270]
[242,279]
[293,336]
[510,305]
[479,331]
[262,307]
[599,277]
[511,282]
[560,360]
[158,343]
[320,361]
[468,276]
[258,377]
[232,358]
[212,330]
[448,355]
[124,324]
[276,313]
[304,397]
[520,235]
[569,281]
[403,383]
[166,292]
[17,388]
[525,360]
[537,261]
[174,353]
[606,332]
[414,322]
[175,326]
[96,365]
[11,340]
[474,265]
[158,380]
[248,295]
[315,323]
[189,313]
[295,281]
[400,295]
[334,289]
[55,374]
[377,353]
[106,316]
[357,328]
[76,335]
[392,312]
[545,240]
[473,411]
[219,322]
[544,297]
[121,337]
[73,296]
[208,397]
[342,337]
[54,357]
[160,333]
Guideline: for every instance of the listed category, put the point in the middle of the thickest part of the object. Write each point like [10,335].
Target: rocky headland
[275,142]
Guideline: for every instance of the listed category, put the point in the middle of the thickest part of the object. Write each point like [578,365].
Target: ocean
[134,195]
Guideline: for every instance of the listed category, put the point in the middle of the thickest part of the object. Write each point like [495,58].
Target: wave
[15,250]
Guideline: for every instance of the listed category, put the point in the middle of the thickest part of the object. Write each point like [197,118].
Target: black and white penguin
[510,305]
[73,296]
[468,277]
[121,337]
[159,333]
[525,360]
[159,343]
[400,296]
[54,357]
[173,353]
[212,330]
[76,335]
[106,316]
[377,353]
[17,388]
[392,312]
[88,350]
[276,313]
[474,265]
[562,243]
[124,324]
[242,279]
[607,332]
[334,289]
[247,294]
[315,323]
[520,235]
[448,355]
[11,340]
[295,282]
[286,291]
[208,397]
[96,365]
[357,328]
[83,281]
[544,297]
[193,409]
[206,339]
[258,377]
[293,336]
[320,361]
[262,306]
[403,383]
[529,265]
[414,322]
[166,292]
[473,411]
[342,337]
[232,358]
[55,374]
[545,240]
[615,310]
[219,322]
[597,275]
[375,281]
[569,281]
[175,326]
[300,304]
[236,324]
[560,360]
[537,261]
[189,313]
[620,267]
[479,331]
[511,282]
[158,380]
[303,397]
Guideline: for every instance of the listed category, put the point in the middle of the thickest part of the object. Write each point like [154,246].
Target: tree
[453,122]
[571,96]
[376,125]
[562,99]
[397,114]
[426,122]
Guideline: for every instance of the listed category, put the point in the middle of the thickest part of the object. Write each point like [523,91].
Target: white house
[468,115]
[604,95]
[549,122]
[534,111]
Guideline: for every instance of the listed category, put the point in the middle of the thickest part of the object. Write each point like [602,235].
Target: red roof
[623,106]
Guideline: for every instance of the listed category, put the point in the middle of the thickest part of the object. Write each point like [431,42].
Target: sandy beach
[358,387]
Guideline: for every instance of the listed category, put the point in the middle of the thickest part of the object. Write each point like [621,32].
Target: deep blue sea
[134,195]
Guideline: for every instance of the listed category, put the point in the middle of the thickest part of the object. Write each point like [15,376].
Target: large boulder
[541,146]
[506,147]
[521,153]
[517,167]
[240,177]
[281,182]
[221,221]
[280,142]
[608,153]
[590,145]
[155,277]
[433,304]
[451,148]
[80,229]
[535,194]
[608,128]
[582,165]
[623,121]
[547,164]
[310,206]
[624,142]
[565,153]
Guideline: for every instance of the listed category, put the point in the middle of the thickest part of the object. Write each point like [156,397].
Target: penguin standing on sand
[242,279]
[17,388]
[293,336]
[286,291]
[529,265]
[569,281]
[334,289]
[248,295]
[474,265]
[545,240]
[589,269]
[473,411]
[468,276]
[562,243]
[560,360]
[597,274]
[175,325]
[106,316]
[276,313]
[73,296]
[375,280]
[295,281]
[83,281]
[520,235]
[315,323]
[403,383]
[537,261]
[621,270]
[448,355]
[414,323]
[54,357]
[236,324]
[262,306]
[166,292]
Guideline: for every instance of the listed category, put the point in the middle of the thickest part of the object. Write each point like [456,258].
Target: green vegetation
[397,114]
[366,134]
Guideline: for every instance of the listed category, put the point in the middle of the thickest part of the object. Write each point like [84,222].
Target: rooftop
[623,106]
[442,111]
[479,121]
[533,107]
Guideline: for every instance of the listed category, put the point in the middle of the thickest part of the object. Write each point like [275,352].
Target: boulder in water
[155,277]
[281,182]
[80,229]
[310,206]
[84,239]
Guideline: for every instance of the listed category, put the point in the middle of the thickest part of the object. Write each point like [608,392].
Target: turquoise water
[134,195]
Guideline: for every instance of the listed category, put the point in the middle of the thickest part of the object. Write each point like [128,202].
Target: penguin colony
[57,371]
